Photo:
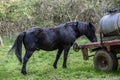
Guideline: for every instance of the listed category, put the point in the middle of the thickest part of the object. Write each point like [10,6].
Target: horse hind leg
[28,54]
[66,50]
[57,57]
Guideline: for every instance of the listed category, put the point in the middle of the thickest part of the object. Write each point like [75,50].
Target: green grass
[40,67]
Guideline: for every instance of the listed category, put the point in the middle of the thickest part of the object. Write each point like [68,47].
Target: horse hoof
[64,67]
[24,73]
[55,67]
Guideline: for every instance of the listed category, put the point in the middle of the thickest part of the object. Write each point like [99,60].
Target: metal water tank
[110,24]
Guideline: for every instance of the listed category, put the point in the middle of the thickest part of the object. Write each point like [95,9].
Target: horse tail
[17,47]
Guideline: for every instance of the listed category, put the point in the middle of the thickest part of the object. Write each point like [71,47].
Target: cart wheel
[115,66]
[105,61]
[76,47]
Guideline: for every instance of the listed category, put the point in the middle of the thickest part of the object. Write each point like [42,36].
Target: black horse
[60,37]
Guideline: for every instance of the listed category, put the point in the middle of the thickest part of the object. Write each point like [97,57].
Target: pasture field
[40,67]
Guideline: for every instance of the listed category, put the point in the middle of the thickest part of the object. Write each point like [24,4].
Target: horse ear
[89,23]
[91,26]
[76,23]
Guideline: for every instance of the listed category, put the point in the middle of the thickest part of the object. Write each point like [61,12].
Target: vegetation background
[19,15]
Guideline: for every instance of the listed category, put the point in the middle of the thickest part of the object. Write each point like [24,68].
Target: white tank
[110,24]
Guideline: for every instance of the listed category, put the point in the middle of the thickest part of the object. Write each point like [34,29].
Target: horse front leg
[66,50]
[28,54]
[57,58]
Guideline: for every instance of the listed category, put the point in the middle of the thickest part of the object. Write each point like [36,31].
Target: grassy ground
[39,66]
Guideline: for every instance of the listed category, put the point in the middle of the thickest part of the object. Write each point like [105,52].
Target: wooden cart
[105,58]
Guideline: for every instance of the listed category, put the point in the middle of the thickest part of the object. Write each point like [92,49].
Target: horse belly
[48,46]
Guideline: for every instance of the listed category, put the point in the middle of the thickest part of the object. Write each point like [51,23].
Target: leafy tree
[19,15]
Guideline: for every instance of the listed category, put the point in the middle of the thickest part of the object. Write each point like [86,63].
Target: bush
[19,15]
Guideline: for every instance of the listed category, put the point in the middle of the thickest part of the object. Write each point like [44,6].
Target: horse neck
[78,32]
[82,30]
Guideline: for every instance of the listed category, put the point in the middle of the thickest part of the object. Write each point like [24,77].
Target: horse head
[86,29]
[90,33]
